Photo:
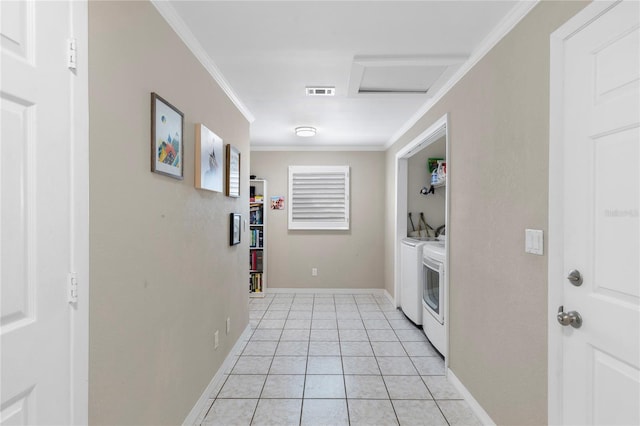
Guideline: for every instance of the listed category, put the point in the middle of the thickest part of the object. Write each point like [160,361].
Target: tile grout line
[344,378]
[393,407]
[306,366]
[255,410]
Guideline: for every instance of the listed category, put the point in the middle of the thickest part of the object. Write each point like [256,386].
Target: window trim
[341,225]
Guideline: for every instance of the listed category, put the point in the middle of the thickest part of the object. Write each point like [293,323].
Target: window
[319,197]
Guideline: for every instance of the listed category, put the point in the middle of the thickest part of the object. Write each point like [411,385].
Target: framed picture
[233,172]
[277,202]
[234,228]
[209,160]
[167,145]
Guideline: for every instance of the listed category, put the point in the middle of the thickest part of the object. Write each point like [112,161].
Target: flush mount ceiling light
[305,131]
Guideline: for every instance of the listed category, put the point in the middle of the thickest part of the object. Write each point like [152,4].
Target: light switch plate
[534,241]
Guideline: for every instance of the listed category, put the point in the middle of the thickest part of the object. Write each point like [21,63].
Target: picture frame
[277,202]
[235,225]
[209,160]
[167,138]
[232,186]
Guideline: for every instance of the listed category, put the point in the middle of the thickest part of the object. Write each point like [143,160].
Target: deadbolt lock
[575,277]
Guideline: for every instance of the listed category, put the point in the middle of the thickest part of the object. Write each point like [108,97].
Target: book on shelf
[256,238]
[255,283]
[258,259]
[255,217]
[255,260]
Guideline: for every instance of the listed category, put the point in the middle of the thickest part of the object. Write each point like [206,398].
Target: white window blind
[319,197]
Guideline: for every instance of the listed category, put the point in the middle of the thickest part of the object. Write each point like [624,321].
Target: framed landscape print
[167,145]
[233,172]
[209,160]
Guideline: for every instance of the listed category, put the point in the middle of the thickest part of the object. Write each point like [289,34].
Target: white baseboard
[389,297]
[193,416]
[477,409]
[376,291]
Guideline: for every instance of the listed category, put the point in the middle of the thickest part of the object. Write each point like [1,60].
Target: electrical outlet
[314,272]
[216,339]
[228,325]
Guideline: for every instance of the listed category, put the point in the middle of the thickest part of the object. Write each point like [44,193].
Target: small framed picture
[209,160]
[233,172]
[277,202]
[167,145]
[234,228]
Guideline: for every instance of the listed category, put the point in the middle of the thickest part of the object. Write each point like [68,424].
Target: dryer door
[433,279]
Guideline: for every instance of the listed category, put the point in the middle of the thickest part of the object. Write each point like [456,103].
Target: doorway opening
[408,196]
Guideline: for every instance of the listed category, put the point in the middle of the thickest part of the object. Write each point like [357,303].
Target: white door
[35,213]
[600,371]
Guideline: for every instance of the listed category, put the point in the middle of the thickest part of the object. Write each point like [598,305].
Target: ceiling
[384,58]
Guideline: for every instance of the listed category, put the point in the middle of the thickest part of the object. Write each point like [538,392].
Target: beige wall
[345,259]
[499,126]
[163,276]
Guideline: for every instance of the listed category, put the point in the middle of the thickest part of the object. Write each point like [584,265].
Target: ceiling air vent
[321,91]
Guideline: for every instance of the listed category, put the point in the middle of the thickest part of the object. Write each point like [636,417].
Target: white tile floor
[335,359]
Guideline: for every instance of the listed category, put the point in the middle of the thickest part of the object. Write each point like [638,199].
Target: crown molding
[174,20]
[514,16]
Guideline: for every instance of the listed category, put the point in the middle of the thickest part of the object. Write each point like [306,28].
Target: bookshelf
[257,237]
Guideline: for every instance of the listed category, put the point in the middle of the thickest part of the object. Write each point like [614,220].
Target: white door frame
[79,219]
[438,129]
[556,203]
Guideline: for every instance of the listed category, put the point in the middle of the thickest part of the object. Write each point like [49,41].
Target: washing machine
[411,278]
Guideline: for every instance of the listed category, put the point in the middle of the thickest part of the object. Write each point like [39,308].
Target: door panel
[601,371]
[17,29]
[20,409]
[18,290]
[616,71]
[609,372]
[616,230]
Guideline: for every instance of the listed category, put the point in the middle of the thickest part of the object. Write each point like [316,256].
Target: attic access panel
[400,75]
[399,79]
